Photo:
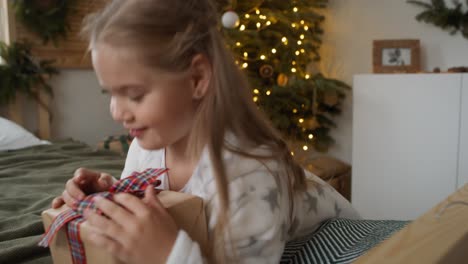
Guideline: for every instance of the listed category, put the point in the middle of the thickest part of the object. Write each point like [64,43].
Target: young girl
[178,90]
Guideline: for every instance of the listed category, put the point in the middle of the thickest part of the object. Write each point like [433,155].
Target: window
[3,21]
[4,35]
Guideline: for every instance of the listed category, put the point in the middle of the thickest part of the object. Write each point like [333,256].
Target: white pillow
[13,136]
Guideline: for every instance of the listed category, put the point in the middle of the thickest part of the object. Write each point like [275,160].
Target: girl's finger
[73,190]
[132,204]
[83,175]
[117,213]
[105,181]
[152,199]
[104,226]
[107,243]
[57,202]
[68,199]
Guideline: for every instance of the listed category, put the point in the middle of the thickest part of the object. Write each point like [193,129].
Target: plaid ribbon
[135,184]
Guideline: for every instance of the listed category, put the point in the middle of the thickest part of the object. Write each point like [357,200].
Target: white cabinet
[463,156]
[410,142]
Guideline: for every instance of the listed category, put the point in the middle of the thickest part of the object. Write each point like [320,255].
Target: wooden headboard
[17,113]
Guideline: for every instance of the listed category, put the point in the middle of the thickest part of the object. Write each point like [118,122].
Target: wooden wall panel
[69,53]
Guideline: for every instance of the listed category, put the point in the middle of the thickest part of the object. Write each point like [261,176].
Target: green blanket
[29,180]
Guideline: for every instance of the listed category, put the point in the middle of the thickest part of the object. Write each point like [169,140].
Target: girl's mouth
[137,132]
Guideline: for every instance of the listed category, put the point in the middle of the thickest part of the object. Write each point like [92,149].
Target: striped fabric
[340,241]
[135,184]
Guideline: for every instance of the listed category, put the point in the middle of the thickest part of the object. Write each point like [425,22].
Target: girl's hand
[84,182]
[137,231]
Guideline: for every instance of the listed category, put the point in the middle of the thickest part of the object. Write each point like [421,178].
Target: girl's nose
[120,112]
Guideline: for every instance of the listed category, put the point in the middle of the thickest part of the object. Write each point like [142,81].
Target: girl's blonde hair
[167,34]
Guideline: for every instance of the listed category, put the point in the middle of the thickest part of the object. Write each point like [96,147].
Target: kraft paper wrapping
[187,211]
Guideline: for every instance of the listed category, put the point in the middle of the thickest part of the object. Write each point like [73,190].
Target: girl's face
[157,107]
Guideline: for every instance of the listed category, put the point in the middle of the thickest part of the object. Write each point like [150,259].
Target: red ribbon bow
[135,184]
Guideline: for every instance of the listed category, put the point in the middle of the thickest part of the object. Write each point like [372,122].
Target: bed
[33,172]
[29,179]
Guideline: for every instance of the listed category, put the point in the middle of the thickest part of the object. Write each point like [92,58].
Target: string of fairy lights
[296,25]
[259,22]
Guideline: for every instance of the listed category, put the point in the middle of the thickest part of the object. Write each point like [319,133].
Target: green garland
[46,18]
[438,14]
[20,72]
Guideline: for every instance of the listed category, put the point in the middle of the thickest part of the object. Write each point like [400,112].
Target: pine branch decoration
[439,14]
[46,18]
[23,73]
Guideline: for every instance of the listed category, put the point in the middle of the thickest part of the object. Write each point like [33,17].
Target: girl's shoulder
[252,163]
[243,157]
[242,170]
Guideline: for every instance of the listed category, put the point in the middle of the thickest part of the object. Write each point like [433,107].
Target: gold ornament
[282,79]
[330,99]
[311,123]
[266,71]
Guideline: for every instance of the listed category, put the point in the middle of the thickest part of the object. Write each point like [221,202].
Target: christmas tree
[277,43]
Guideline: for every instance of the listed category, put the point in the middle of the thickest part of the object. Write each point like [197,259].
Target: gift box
[67,231]
[187,211]
[334,172]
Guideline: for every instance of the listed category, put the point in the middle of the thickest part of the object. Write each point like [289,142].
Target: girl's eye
[137,99]
[106,94]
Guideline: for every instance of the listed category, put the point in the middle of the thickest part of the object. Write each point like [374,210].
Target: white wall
[350,28]
[80,111]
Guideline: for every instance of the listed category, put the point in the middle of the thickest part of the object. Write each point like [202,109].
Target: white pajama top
[260,210]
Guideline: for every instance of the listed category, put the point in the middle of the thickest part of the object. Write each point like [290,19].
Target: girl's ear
[201,76]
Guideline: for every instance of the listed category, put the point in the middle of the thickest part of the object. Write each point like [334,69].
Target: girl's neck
[177,154]
[180,163]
